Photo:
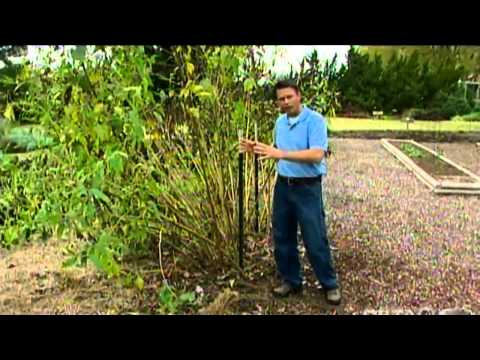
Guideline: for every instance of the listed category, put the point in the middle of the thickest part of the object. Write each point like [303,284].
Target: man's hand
[268,152]
[246,145]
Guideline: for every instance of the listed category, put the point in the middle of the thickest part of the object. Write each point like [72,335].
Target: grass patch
[475,116]
[349,124]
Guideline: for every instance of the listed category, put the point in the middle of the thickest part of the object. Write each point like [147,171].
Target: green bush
[9,88]
[476,108]
[402,82]
[128,171]
[433,114]
[455,105]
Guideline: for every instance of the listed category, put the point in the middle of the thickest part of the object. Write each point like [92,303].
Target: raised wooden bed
[438,173]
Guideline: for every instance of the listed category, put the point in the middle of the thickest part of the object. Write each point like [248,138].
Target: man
[300,146]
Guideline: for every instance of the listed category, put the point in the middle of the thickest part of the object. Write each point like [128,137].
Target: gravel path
[399,245]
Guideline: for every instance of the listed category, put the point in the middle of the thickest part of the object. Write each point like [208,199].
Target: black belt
[299,180]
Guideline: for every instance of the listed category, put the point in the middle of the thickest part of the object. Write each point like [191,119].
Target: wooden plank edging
[438,187]
[448,161]
[418,172]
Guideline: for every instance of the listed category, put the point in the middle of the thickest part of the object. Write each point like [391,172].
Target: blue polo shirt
[307,131]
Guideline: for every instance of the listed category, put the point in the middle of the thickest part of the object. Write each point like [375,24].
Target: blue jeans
[301,204]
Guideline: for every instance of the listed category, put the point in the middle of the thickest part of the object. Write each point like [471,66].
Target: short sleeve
[317,133]
[275,135]
[275,132]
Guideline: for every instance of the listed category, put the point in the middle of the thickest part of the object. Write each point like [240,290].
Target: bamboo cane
[256,183]
[240,206]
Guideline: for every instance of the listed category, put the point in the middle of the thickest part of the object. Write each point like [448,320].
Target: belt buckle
[289,182]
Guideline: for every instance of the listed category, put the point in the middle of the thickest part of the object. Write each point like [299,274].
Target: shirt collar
[298,118]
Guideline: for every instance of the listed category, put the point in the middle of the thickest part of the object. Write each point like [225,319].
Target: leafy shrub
[402,82]
[172,301]
[412,151]
[127,169]
[8,78]
[476,108]
[455,105]
[433,114]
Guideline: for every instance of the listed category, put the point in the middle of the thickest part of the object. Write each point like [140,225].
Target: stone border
[438,187]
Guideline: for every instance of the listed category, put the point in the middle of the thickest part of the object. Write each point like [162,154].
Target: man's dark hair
[283,84]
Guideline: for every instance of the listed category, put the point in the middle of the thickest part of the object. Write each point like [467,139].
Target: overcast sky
[284,55]
[293,54]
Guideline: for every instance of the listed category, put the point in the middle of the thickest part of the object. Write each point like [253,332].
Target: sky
[293,54]
[284,55]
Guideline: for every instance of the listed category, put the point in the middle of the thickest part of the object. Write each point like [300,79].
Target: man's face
[289,101]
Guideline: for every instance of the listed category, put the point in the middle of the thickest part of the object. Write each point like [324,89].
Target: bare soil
[433,165]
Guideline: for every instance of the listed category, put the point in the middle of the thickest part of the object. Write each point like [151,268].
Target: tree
[466,56]
[9,72]
[400,78]
[361,81]
[7,51]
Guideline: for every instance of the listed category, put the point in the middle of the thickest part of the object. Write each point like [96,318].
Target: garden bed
[441,175]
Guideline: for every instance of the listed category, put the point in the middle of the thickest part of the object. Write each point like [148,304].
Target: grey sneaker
[286,289]
[333,296]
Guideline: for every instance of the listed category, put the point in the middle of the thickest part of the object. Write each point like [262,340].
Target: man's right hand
[246,145]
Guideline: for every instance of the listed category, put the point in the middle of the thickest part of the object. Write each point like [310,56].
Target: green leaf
[115,161]
[9,113]
[197,88]
[99,174]
[4,203]
[102,132]
[102,257]
[136,89]
[248,85]
[187,298]
[139,283]
[99,108]
[195,112]
[137,128]
[71,261]
[116,164]
[99,195]
[166,298]
[78,53]
[190,68]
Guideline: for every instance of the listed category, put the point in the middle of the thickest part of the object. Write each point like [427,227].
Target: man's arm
[309,156]
[269,152]
[317,140]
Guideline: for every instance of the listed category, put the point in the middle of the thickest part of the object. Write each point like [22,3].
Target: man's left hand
[268,152]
